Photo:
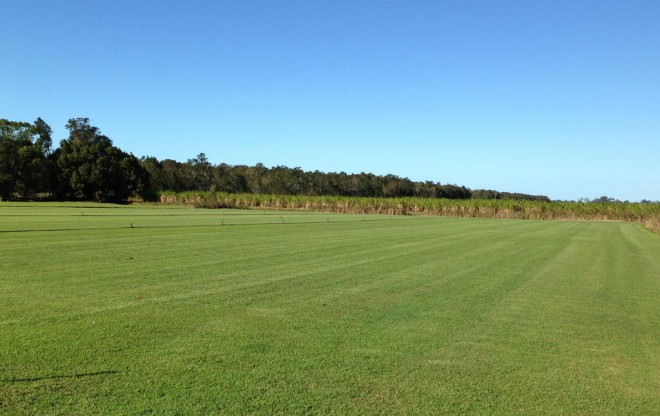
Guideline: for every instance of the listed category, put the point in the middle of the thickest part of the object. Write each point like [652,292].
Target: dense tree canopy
[24,150]
[87,166]
[199,175]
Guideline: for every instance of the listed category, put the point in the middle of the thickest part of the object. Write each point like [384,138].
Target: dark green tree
[229,179]
[200,171]
[91,168]
[154,168]
[24,149]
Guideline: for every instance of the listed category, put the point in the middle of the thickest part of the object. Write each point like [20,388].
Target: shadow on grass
[54,377]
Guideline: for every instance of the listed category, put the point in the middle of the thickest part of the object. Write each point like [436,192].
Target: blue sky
[560,98]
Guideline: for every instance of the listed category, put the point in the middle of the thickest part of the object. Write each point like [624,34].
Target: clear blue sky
[560,98]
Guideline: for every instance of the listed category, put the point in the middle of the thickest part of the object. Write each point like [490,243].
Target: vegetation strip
[645,214]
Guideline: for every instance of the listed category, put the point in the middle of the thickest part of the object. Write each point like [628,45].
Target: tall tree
[24,148]
[201,172]
[91,168]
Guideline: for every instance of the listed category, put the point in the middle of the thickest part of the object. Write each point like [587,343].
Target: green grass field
[172,310]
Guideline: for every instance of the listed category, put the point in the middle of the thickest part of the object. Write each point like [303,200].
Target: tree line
[87,166]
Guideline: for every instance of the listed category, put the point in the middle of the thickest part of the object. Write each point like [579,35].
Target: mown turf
[323,314]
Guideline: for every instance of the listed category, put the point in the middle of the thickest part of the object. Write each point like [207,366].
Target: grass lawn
[171,310]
